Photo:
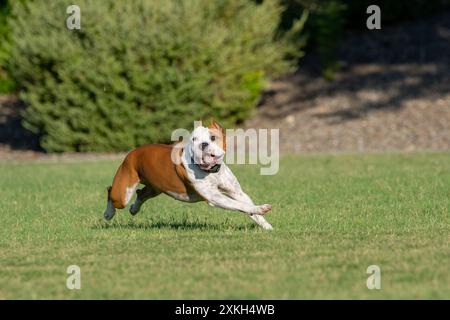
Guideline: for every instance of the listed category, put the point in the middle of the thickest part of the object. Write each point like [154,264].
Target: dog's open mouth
[209,160]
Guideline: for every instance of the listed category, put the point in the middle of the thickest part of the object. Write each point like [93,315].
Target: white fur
[220,189]
[129,193]
[179,196]
[200,135]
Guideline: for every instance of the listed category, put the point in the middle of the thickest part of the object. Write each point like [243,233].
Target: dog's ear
[217,127]
[214,125]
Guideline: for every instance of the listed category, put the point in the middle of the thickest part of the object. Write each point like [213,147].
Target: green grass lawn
[333,216]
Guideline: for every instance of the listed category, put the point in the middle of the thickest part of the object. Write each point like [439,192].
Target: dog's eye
[213,138]
[194,138]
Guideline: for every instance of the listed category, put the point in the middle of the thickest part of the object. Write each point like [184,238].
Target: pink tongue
[208,159]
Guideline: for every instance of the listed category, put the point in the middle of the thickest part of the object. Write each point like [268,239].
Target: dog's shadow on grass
[174,225]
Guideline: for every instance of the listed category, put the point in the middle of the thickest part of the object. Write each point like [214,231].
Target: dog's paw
[263,209]
[134,209]
[108,215]
[267,226]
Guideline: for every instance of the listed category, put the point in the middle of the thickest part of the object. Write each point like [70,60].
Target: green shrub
[137,70]
[329,23]
[7,84]
[4,30]
[324,30]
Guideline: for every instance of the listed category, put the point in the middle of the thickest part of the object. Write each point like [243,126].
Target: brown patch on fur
[219,132]
[152,166]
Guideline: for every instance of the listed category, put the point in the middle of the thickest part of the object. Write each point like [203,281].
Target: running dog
[190,172]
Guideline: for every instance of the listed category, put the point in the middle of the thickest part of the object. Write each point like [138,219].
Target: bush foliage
[136,70]
[6,83]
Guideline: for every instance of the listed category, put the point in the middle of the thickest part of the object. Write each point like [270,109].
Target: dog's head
[207,146]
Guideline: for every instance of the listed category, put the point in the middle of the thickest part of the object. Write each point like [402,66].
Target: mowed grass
[333,216]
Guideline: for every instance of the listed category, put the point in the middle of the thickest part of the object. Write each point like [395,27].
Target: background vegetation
[134,71]
[7,84]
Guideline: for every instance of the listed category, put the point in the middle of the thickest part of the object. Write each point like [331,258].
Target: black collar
[215,168]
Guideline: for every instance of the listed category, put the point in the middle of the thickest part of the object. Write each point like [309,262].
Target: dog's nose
[204,145]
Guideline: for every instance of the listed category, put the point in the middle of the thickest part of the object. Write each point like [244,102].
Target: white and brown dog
[196,173]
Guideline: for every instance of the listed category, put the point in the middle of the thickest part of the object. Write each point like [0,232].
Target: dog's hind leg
[143,195]
[110,210]
[120,193]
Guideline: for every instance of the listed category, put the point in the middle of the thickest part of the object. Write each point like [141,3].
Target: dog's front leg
[231,187]
[217,199]
[241,196]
